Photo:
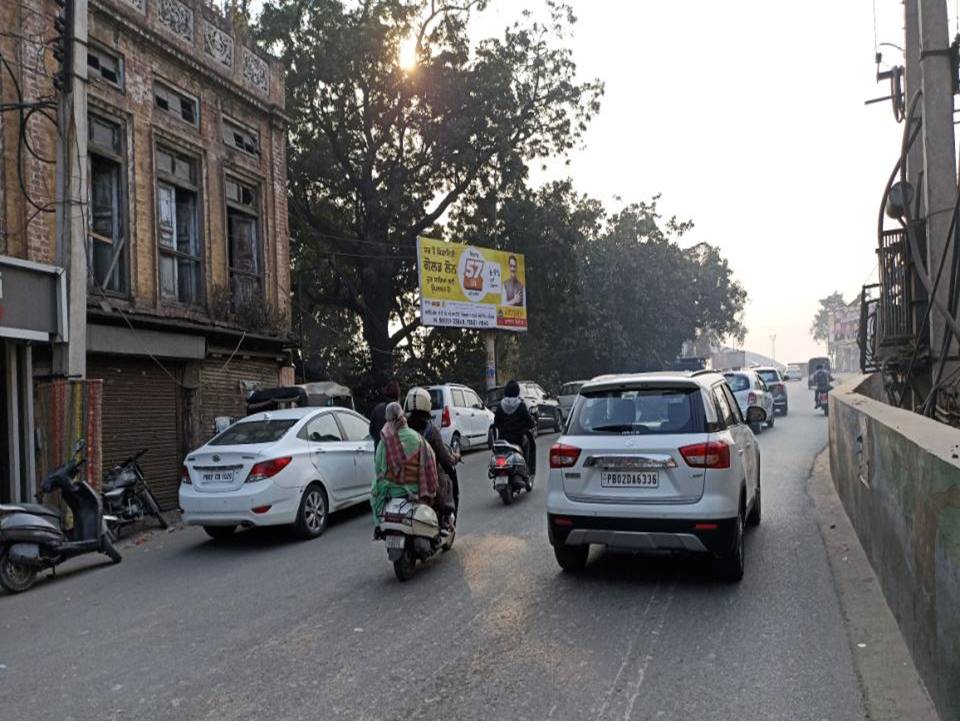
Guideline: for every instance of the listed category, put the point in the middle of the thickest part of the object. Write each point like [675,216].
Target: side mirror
[756,414]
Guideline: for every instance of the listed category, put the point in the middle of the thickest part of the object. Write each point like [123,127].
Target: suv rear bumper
[642,534]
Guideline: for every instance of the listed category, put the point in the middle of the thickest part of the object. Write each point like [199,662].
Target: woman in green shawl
[405,464]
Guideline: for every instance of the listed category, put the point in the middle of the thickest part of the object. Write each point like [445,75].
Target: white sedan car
[289,467]
[750,390]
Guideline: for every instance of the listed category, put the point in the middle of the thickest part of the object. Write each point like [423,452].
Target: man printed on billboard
[512,287]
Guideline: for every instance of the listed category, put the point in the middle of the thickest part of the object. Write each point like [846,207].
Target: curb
[892,688]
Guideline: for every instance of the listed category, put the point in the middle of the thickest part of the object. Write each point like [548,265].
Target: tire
[572,559]
[449,544]
[756,428]
[826,410]
[786,410]
[773,419]
[730,563]
[506,495]
[405,566]
[106,546]
[219,533]
[15,577]
[155,509]
[456,445]
[313,513]
[753,519]
[557,423]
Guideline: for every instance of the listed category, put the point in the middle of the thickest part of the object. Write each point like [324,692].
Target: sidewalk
[892,689]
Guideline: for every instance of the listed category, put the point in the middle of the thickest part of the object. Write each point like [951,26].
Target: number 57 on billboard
[463,286]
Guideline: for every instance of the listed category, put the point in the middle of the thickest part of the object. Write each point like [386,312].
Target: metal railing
[867,333]
[895,321]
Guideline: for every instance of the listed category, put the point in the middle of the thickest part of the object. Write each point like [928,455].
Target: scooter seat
[38,509]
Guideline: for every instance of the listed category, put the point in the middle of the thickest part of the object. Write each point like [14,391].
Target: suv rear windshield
[769,376]
[738,382]
[570,389]
[254,432]
[638,411]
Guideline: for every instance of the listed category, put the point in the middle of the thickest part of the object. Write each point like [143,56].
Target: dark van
[812,368]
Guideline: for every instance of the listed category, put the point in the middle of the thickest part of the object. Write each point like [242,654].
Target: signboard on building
[463,286]
[33,301]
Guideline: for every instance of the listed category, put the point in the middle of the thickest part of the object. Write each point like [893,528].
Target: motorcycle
[32,536]
[127,498]
[411,532]
[823,401]
[509,471]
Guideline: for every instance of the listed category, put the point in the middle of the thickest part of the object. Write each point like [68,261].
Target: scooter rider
[821,384]
[514,424]
[418,406]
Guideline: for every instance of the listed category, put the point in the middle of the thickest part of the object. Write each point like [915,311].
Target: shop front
[33,308]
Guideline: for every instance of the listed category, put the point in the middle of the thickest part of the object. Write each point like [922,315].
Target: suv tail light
[267,469]
[714,454]
[185,475]
[445,419]
[563,456]
[752,398]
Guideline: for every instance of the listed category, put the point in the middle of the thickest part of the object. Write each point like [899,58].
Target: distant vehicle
[812,368]
[568,394]
[545,409]
[688,363]
[461,416]
[660,462]
[793,372]
[287,467]
[751,392]
[729,360]
[774,381]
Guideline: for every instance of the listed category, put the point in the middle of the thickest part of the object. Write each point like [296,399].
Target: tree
[379,153]
[820,329]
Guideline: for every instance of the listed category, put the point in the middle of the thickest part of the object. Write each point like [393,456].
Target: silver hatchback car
[657,462]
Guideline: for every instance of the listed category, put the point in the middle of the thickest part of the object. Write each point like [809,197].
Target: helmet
[418,399]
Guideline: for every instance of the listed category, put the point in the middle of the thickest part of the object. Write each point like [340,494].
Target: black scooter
[127,498]
[508,469]
[32,536]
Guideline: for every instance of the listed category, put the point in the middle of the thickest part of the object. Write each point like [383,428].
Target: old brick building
[188,266]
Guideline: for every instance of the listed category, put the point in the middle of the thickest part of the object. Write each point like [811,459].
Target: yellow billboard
[464,286]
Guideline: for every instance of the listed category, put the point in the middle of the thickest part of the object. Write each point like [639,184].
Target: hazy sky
[748,117]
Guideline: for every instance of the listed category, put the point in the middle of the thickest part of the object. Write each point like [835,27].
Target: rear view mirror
[756,415]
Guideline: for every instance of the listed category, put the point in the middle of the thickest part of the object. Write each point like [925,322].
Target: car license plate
[218,477]
[629,479]
[395,541]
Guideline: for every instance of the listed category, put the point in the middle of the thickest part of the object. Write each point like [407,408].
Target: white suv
[655,462]
[464,421]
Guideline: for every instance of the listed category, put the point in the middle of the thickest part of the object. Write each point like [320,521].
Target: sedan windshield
[738,382]
[638,412]
[259,431]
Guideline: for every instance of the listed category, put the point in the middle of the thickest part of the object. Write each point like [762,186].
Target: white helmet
[418,399]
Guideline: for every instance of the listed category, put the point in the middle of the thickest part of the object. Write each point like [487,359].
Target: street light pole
[773,346]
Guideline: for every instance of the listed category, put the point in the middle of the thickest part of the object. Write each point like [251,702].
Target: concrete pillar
[491,370]
[939,156]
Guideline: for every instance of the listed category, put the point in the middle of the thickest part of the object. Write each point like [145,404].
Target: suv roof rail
[703,372]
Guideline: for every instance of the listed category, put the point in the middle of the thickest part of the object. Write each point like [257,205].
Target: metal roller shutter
[141,409]
[223,389]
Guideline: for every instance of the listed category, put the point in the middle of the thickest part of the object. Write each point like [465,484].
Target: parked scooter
[127,498]
[509,471]
[412,532]
[32,536]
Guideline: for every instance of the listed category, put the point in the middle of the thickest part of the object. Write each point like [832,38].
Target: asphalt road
[265,627]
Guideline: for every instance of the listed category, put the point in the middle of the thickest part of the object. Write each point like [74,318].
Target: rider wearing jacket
[821,384]
[417,406]
[514,423]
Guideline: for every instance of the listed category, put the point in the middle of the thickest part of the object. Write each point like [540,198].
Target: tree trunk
[377,288]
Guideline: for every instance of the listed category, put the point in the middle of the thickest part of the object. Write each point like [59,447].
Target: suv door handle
[740,451]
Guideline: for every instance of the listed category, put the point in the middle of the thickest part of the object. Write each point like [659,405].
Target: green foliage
[820,328]
[378,153]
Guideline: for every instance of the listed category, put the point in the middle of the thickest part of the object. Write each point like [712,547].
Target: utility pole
[773,347]
[939,157]
[70,358]
[490,340]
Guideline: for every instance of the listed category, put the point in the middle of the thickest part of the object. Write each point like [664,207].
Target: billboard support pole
[491,370]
